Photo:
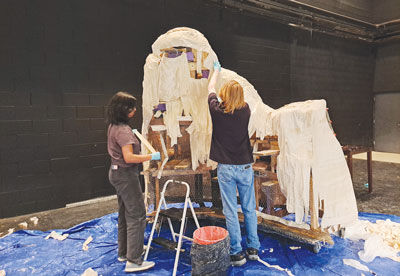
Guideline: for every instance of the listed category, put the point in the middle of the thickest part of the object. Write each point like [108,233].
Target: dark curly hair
[120,105]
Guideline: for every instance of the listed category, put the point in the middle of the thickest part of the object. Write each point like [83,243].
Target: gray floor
[384,199]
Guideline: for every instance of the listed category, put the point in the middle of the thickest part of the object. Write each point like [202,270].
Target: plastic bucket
[209,235]
[210,251]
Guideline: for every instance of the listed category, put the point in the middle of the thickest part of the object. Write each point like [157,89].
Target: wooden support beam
[313,211]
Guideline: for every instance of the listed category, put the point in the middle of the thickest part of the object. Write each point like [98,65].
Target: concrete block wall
[60,62]
[341,72]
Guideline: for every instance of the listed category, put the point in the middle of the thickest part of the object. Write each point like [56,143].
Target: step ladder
[183,220]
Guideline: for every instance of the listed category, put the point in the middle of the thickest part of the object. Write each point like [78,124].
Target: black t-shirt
[230,143]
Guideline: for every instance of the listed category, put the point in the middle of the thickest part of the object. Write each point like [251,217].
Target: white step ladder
[183,220]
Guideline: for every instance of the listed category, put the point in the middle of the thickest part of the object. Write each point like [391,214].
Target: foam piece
[89,272]
[35,220]
[57,236]
[85,245]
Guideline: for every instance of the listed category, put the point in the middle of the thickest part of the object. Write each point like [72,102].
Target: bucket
[210,251]
[209,235]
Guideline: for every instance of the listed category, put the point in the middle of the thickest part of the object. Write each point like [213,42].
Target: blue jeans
[241,177]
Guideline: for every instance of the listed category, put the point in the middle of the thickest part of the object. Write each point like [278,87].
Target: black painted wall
[358,9]
[60,61]
[387,69]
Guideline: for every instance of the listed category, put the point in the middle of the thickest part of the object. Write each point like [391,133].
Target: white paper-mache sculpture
[305,139]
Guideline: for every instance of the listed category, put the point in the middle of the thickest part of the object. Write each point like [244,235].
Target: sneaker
[252,254]
[132,267]
[122,259]
[238,259]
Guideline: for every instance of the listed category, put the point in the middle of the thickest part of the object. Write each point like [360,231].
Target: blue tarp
[28,253]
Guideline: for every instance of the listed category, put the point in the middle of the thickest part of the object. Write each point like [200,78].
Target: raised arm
[214,77]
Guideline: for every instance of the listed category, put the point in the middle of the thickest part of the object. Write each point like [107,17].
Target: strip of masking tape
[288,272]
[198,64]
[165,155]
[144,141]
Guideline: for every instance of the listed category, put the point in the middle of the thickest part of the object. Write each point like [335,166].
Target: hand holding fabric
[217,66]
[213,79]
[156,156]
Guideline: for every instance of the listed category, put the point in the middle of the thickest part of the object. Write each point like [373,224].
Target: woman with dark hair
[124,150]
[230,147]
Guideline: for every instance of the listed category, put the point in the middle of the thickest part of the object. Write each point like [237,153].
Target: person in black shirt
[230,147]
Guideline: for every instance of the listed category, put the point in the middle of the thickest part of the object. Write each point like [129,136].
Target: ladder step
[167,244]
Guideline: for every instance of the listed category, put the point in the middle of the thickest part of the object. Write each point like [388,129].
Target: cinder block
[34,167]
[8,141]
[90,112]
[30,112]
[93,160]
[32,140]
[7,113]
[34,181]
[41,153]
[15,126]
[9,169]
[76,124]
[98,148]
[16,155]
[99,99]
[47,126]
[14,98]
[77,150]
[46,98]
[98,124]
[75,99]
[64,164]
[43,72]
[61,112]
[93,136]
[64,138]
[9,199]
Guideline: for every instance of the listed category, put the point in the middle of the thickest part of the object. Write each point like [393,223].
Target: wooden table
[349,151]
[198,176]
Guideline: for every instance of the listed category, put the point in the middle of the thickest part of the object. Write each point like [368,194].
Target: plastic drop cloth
[27,252]
[306,142]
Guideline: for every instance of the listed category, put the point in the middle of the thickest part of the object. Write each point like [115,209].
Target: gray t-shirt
[117,137]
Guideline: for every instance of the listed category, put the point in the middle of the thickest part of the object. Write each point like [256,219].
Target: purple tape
[190,56]
[161,107]
[205,73]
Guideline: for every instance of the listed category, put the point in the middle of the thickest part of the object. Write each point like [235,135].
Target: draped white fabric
[306,142]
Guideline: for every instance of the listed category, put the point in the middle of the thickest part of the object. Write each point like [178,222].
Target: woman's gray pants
[131,213]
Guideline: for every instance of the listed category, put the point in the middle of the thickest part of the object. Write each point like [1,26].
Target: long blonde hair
[232,96]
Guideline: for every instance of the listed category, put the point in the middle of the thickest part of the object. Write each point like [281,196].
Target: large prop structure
[307,160]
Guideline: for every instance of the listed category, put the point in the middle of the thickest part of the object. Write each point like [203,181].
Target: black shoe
[238,259]
[252,254]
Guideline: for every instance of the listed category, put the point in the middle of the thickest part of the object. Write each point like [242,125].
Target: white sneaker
[121,259]
[132,267]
